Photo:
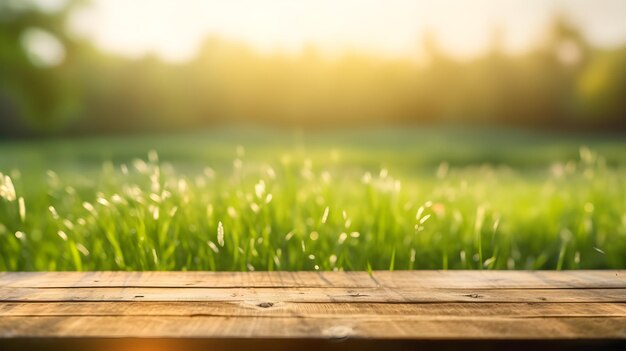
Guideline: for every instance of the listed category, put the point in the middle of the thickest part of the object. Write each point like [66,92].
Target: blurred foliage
[561,83]
[31,97]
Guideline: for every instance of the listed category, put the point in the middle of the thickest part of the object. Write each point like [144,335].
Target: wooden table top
[314,310]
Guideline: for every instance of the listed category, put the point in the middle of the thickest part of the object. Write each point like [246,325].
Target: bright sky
[174,28]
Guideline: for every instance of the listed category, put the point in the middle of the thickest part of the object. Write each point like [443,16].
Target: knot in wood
[266,304]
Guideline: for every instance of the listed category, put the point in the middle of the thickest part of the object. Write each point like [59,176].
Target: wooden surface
[332,310]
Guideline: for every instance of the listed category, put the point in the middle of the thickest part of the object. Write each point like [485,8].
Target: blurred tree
[36,73]
[601,91]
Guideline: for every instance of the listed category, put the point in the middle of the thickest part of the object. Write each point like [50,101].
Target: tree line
[562,82]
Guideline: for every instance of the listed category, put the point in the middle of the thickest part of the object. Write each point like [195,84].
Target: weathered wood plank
[397,279]
[396,327]
[315,310]
[314,295]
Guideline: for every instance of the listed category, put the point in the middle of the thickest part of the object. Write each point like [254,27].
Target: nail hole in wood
[474,296]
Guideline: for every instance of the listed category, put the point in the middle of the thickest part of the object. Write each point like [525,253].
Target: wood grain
[314,295]
[397,279]
[316,310]
[396,327]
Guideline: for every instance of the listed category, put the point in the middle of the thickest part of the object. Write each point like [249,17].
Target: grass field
[235,199]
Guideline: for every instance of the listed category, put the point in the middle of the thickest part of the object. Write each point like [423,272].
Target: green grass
[269,200]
